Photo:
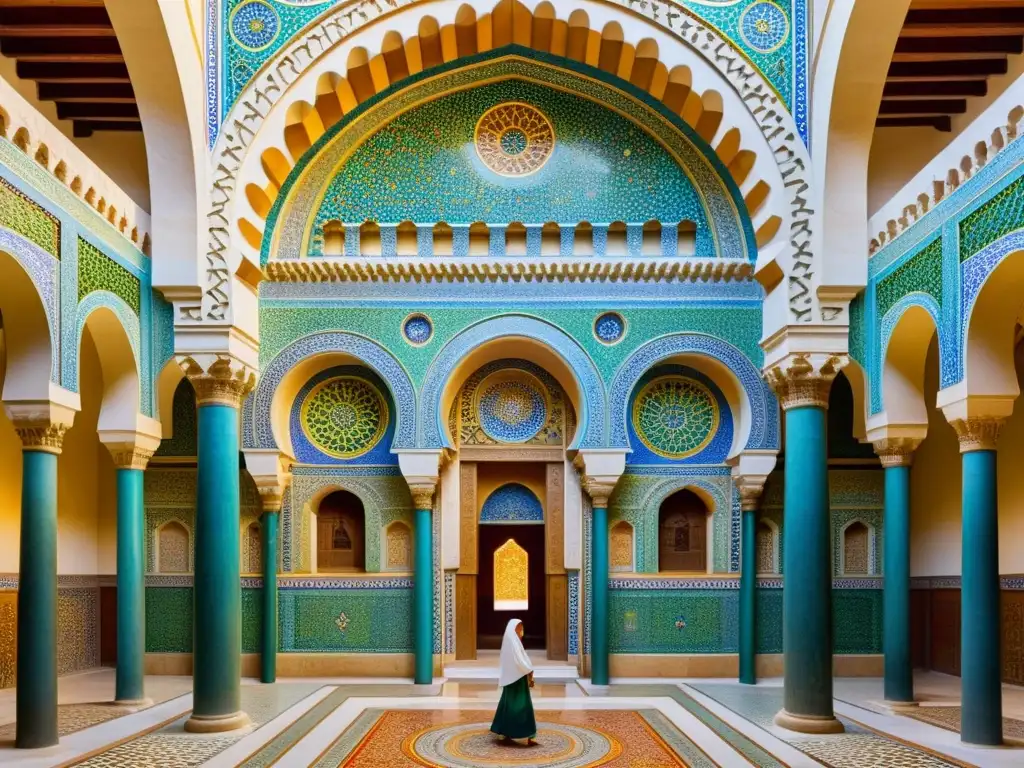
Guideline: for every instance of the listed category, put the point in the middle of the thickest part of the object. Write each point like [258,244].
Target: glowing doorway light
[511,577]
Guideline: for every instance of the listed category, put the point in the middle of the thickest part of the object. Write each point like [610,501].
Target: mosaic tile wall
[78,645]
[242,35]
[374,620]
[940,264]
[169,619]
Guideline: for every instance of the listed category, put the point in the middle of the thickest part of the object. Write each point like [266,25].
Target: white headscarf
[514,661]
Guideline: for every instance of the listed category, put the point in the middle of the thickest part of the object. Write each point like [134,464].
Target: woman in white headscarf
[514,718]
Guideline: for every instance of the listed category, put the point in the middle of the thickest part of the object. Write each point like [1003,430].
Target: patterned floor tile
[566,739]
[857,748]
[76,717]
[949,718]
[172,747]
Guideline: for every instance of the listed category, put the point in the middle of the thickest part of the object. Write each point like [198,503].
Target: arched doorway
[340,539]
[683,533]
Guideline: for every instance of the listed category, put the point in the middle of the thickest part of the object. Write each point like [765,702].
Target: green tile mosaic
[28,219]
[346,620]
[768,604]
[423,166]
[857,621]
[857,344]
[921,273]
[279,326]
[98,272]
[252,619]
[673,621]
[169,620]
[1001,215]
[183,439]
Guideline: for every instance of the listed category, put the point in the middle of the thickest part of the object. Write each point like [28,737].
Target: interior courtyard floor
[369,723]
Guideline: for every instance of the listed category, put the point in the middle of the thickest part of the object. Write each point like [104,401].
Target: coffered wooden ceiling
[69,49]
[946,53]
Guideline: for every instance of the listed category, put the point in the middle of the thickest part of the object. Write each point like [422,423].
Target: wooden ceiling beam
[922,107]
[55,30]
[914,89]
[69,110]
[963,68]
[51,3]
[108,92]
[23,47]
[941,123]
[58,72]
[1001,44]
[85,128]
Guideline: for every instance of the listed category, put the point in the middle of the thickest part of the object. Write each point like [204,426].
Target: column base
[138,703]
[897,706]
[808,723]
[217,723]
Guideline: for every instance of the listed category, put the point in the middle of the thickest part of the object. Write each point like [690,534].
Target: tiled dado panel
[78,646]
[346,620]
[707,621]
[169,620]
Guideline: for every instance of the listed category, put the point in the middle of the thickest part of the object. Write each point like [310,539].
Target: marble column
[807,557]
[599,493]
[423,583]
[749,501]
[217,592]
[896,455]
[131,459]
[269,532]
[981,720]
[36,695]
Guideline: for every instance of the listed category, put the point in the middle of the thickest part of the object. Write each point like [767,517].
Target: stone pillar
[802,385]
[599,493]
[423,582]
[981,719]
[41,427]
[131,454]
[217,592]
[269,530]
[896,455]
[750,497]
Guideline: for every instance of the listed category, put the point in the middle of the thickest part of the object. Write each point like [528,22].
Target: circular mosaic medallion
[512,410]
[344,417]
[675,416]
[609,327]
[514,139]
[470,745]
[417,329]
[255,25]
[764,27]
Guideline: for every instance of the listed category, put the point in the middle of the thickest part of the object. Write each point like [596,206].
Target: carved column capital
[896,451]
[750,496]
[804,379]
[133,457]
[978,434]
[422,495]
[222,381]
[599,492]
[41,424]
[272,493]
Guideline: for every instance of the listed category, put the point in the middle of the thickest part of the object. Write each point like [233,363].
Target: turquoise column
[131,593]
[268,657]
[599,586]
[748,586]
[36,702]
[899,669]
[217,593]
[807,562]
[423,586]
[980,674]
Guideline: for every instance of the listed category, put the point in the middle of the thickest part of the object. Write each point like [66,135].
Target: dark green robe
[514,717]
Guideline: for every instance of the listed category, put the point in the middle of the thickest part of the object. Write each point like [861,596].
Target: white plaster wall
[897,154]
[106,511]
[936,490]
[121,154]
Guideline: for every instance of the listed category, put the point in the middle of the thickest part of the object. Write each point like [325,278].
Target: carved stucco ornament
[804,379]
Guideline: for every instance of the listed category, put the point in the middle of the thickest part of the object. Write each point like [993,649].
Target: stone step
[550,673]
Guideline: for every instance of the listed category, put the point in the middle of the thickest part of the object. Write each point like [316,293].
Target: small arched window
[856,549]
[682,533]
[398,547]
[369,238]
[767,561]
[172,555]
[687,231]
[334,238]
[511,577]
[620,547]
[340,543]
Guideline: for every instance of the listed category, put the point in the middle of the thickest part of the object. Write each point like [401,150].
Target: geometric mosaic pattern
[512,503]
[29,220]
[949,718]
[675,417]
[72,718]
[99,272]
[512,411]
[514,139]
[344,417]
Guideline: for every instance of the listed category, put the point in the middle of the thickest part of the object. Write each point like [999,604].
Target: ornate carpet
[462,739]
